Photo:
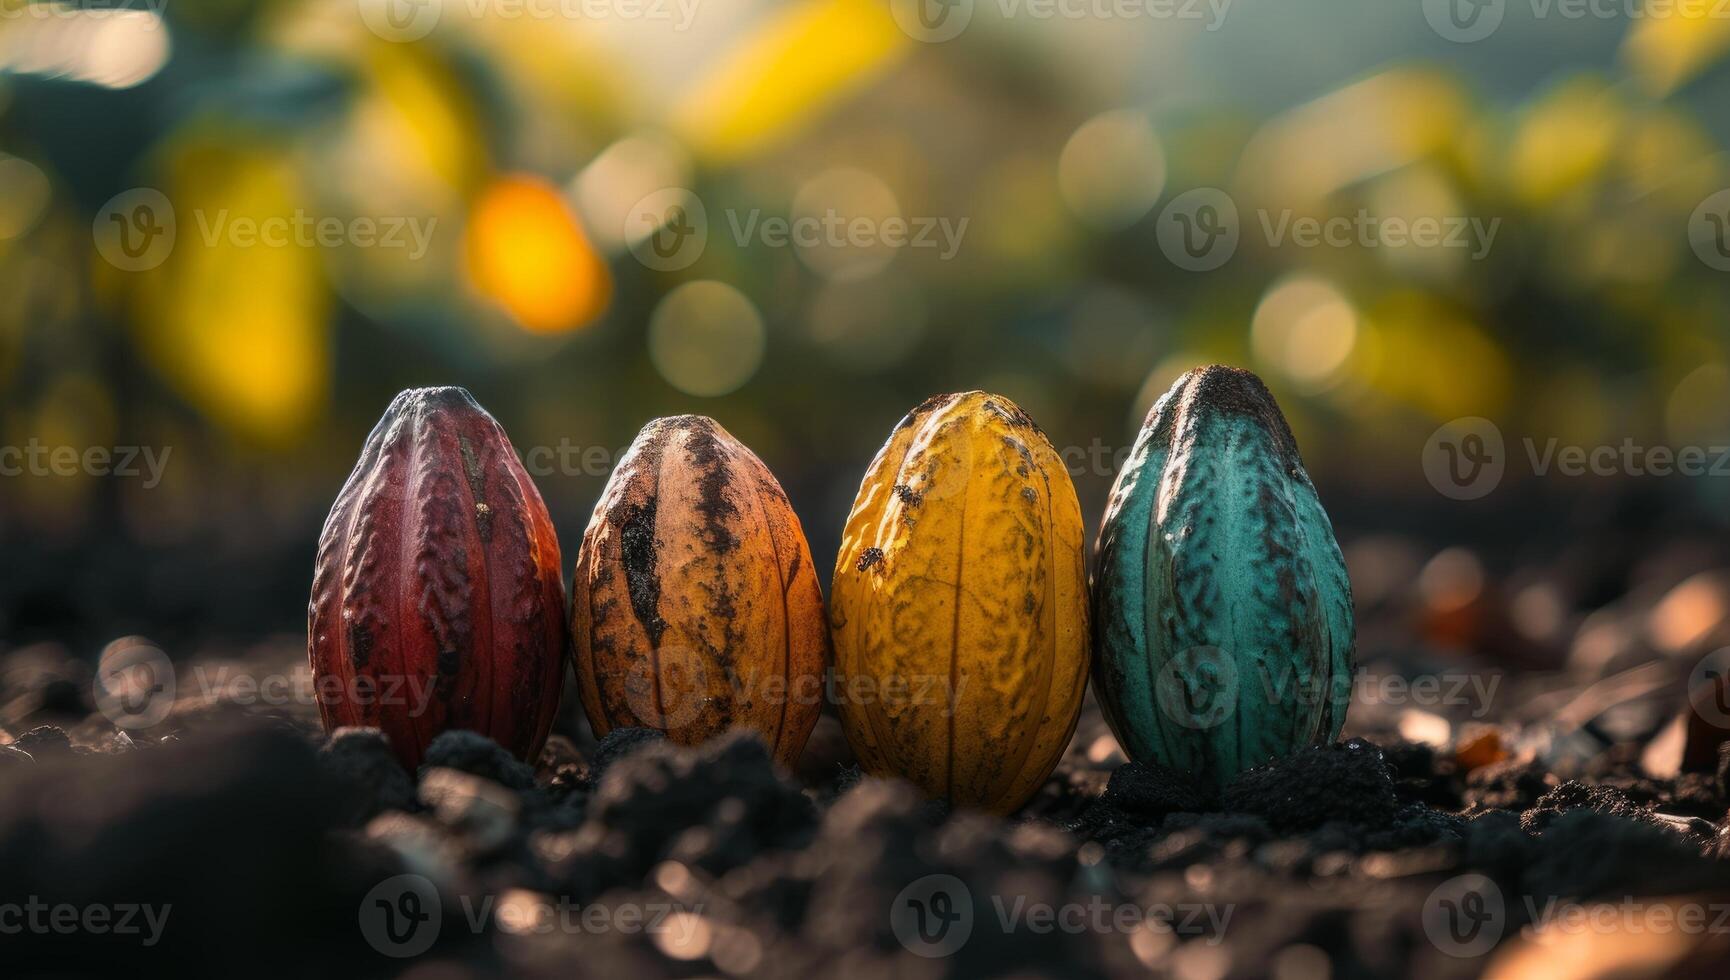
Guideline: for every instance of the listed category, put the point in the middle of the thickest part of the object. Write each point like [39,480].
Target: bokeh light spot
[1305,329]
[1112,170]
[706,338]
[847,224]
[527,253]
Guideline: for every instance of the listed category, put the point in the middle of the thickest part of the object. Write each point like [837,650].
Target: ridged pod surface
[437,601]
[695,608]
[960,605]
[1222,614]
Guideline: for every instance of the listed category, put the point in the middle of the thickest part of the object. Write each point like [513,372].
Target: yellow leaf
[236,317]
[1565,141]
[1674,41]
[1368,128]
[803,59]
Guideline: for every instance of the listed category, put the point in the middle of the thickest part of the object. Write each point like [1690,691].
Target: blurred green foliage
[359,208]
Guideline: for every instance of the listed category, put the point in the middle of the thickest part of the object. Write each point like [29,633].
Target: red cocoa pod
[695,608]
[438,602]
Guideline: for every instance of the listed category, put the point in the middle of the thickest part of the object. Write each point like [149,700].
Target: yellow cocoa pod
[959,605]
[695,607]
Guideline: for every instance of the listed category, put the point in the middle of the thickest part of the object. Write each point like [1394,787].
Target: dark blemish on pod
[871,558]
[706,451]
[359,644]
[637,548]
[908,495]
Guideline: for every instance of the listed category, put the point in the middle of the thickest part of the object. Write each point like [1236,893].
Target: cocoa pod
[695,608]
[1222,614]
[437,601]
[960,605]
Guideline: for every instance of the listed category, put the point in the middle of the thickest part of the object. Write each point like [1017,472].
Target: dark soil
[268,841]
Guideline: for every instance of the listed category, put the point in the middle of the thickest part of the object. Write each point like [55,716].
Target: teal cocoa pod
[1222,614]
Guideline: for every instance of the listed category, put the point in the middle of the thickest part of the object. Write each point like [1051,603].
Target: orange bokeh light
[528,254]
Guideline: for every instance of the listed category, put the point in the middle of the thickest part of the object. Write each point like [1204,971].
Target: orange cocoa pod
[695,608]
[437,601]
